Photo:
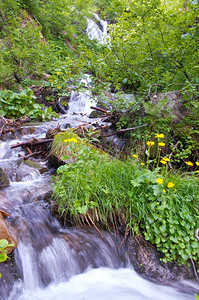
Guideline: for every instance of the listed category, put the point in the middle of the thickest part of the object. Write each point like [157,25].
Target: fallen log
[101,109]
[32,143]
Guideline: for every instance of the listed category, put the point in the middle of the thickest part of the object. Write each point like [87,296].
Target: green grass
[100,190]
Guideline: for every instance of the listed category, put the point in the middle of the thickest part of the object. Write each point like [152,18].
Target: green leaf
[3,257]
[3,244]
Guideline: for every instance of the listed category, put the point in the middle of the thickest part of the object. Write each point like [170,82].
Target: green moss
[4,181]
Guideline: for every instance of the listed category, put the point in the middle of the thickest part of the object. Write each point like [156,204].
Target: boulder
[170,103]
[146,261]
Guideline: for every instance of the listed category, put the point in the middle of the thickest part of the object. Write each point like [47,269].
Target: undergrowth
[17,105]
[139,196]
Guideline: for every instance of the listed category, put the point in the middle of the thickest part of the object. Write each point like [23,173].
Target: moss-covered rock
[4,181]
[66,147]
[32,164]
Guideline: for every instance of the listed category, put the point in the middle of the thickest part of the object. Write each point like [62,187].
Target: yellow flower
[150,144]
[170,184]
[163,162]
[166,159]
[160,136]
[59,87]
[189,163]
[161,144]
[70,140]
[164,191]
[197,171]
[159,180]
[58,73]
[142,164]
[197,163]
[134,155]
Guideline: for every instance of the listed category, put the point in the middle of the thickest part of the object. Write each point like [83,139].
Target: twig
[194,268]
[62,109]
[33,154]
[197,234]
[124,130]
[174,149]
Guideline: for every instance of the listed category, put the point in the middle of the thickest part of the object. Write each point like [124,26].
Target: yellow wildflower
[170,184]
[166,159]
[134,155]
[150,144]
[164,191]
[159,180]
[142,164]
[197,171]
[189,163]
[58,87]
[161,144]
[197,163]
[58,73]
[163,162]
[70,140]
[160,136]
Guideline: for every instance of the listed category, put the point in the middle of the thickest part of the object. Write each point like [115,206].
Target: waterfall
[97,30]
[81,102]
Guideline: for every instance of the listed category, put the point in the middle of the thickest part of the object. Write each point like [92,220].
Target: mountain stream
[55,262]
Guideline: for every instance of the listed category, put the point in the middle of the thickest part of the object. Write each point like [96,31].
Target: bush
[17,105]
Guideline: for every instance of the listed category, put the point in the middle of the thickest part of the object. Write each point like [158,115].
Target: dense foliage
[17,105]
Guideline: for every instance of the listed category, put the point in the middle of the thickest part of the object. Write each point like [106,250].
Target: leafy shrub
[16,105]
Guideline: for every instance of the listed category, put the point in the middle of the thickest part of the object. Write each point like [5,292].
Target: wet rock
[8,276]
[32,164]
[146,261]
[5,233]
[4,181]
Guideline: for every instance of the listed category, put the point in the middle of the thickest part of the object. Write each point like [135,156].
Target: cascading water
[57,263]
[97,30]
[81,102]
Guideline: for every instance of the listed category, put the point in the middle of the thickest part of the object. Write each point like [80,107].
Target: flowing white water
[80,103]
[106,284]
[95,31]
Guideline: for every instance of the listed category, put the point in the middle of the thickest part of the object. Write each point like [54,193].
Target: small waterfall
[81,102]
[97,30]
